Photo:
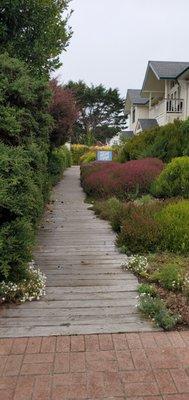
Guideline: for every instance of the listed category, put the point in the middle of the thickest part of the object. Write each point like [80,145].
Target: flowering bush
[30,289]
[138,264]
[122,180]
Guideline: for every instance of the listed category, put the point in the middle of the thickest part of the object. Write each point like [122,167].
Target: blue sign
[104,155]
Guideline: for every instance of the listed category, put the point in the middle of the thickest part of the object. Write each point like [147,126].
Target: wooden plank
[90,293]
[60,295]
[92,289]
[46,312]
[69,320]
[80,303]
[141,326]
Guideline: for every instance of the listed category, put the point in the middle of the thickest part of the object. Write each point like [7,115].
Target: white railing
[174,105]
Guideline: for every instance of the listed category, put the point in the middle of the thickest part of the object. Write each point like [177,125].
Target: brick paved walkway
[143,366]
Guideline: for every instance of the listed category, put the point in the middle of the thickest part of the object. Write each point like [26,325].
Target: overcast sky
[114,39]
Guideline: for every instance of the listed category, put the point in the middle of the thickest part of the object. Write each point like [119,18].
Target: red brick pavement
[133,366]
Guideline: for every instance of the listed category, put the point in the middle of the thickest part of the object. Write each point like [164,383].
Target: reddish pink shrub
[114,179]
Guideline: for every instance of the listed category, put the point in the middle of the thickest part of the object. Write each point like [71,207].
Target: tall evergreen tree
[34,31]
[101,111]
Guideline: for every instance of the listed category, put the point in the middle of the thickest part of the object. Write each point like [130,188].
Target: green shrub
[140,232]
[16,243]
[144,200]
[164,142]
[171,277]
[59,160]
[24,188]
[112,210]
[116,213]
[174,222]
[88,157]
[157,310]
[20,192]
[24,102]
[78,150]
[173,180]
[25,125]
[145,288]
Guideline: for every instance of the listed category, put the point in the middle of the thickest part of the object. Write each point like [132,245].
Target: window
[133,116]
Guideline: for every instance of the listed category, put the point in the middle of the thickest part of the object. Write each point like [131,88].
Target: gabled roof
[158,71]
[147,123]
[168,69]
[134,98]
[126,134]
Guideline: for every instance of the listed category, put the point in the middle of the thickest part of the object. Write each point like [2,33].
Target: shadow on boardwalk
[87,291]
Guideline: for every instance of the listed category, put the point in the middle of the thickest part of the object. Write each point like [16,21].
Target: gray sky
[114,39]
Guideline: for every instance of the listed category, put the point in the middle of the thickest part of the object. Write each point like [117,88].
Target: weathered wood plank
[87,290]
[141,326]
[46,312]
[131,293]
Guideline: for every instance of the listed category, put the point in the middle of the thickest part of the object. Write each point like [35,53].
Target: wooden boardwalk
[87,291]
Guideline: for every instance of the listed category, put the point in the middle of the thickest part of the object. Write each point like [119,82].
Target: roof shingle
[168,69]
[135,97]
[147,123]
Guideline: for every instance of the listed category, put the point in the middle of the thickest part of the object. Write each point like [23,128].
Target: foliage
[150,227]
[35,32]
[157,310]
[138,264]
[173,180]
[64,111]
[144,200]
[140,232]
[171,277]
[145,288]
[59,160]
[78,150]
[164,142]
[101,112]
[16,242]
[21,188]
[112,210]
[30,288]
[23,104]
[174,222]
[90,156]
[25,169]
[168,270]
[122,180]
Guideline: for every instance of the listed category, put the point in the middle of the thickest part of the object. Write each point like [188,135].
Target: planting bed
[152,231]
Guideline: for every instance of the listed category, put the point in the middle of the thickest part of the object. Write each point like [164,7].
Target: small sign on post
[103,155]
